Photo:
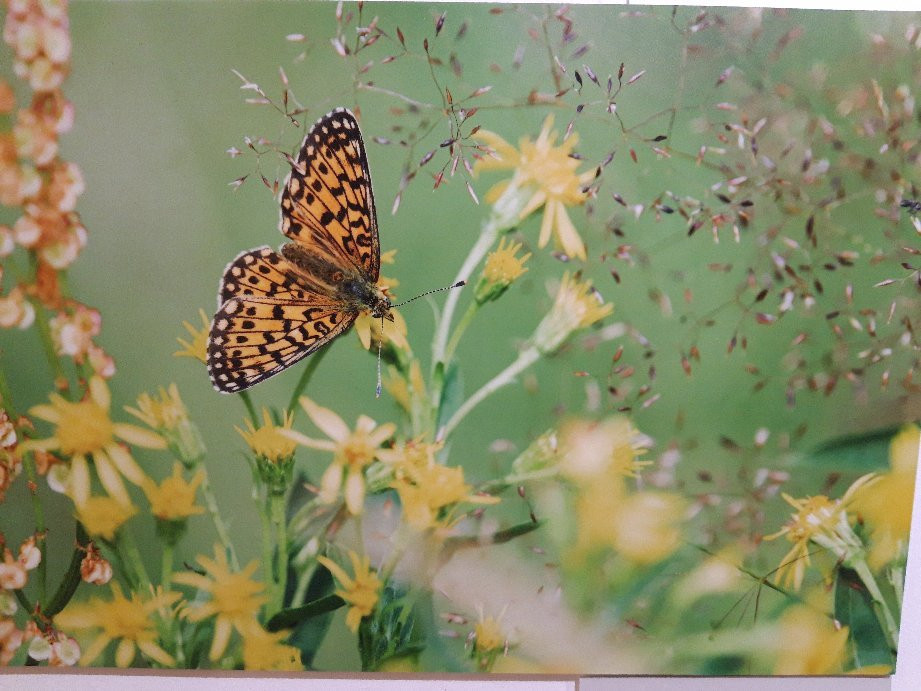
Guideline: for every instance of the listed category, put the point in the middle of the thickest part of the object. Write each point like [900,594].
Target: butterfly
[276,308]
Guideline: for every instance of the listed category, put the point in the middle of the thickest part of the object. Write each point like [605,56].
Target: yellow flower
[352,451]
[131,621]
[549,173]
[269,441]
[647,526]
[103,516]
[235,597]
[372,331]
[502,268]
[361,591]
[576,306]
[405,390]
[488,634]
[886,504]
[589,450]
[167,414]
[809,643]
[174,498]
[820,520]
[85,429]
[197,347]
[426,487]
[265,651]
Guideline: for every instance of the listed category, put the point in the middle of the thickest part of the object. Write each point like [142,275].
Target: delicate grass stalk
[459,330]
[223,534]
[312,363]
[527,358]
[888,621]
[39,528]
[248,402]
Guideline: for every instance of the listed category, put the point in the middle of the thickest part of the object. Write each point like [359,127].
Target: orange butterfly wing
[327,205]
[254,337]
[268,318]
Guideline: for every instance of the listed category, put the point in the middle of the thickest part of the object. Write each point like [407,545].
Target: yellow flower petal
[331,424]
[110,478]
[138,436]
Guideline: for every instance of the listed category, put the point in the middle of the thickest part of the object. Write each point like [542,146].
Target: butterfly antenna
[380,345]
[459,284]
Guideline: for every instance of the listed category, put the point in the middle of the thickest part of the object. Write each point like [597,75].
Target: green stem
[39,527]
[267,556]
[459,330]
[131,557]
[44,331]
[211,503]
[248,402]
[488,236]
[303,583]
[71,580]
[312,363]
[277,516]
[889,625]
[6,396]
[525,359]
[166,566]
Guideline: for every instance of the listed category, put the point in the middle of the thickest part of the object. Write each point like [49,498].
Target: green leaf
[390,631]
[309,633]
[295,616]
[854,609]
[858,453]
[452,394]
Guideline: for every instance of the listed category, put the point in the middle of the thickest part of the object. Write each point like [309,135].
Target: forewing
[255,337]
[327,204]
[259,272]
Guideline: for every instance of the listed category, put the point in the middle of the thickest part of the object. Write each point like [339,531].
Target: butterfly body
[275,308]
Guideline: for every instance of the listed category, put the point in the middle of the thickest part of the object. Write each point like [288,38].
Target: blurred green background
[157,106]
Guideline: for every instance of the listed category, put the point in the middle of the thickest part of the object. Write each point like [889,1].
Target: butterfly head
[380,309]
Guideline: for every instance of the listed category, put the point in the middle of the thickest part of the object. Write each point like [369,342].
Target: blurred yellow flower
[174,498]
[405,390]
[576,306]
[502,268]
[647,526]
[103,516]
[85,429]
[820,520]
[361,591]
[197,346]
[372,331]
[352,451]
[263,650]
[235,597]
[130,621]
[488,635]
[269,440]
[589,450]
[549,173]
[809,643]
[886,504]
